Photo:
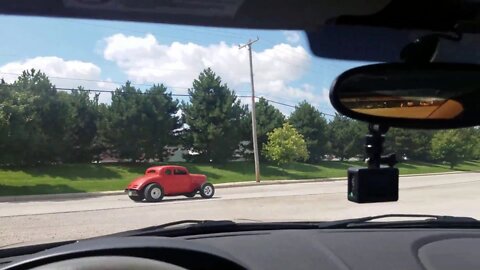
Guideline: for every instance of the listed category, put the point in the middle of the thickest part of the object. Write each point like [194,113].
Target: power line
[281,103]
[111,91]
[294,106]
[115,91]
[173,94]
[98,81]
[113,82]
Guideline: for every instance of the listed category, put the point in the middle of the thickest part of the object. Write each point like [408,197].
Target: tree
[101,143]
[471,140]
[160,122]
[36,119]
[142,124]
[451,146]
[82,124]
[313,126]
[268,118]
[12,111]
[346,137]
[5,99]
[285,145]
[414,144]
[124,131]
[40,125]
[474,142]
[213,117]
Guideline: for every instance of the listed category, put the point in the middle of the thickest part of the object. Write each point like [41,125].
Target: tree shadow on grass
[288,171]
[313,174]
[460,169]
[341,164]
[303,167]
[244,168]
[239,168]
[471,169]
[140,168]
[406,166]
[195,168]
[39,189]
[135,168]
[474,164]
[70,171]
[426,164]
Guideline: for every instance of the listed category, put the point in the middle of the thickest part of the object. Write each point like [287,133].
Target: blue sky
[89,52]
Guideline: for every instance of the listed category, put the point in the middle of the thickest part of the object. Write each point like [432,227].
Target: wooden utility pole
[254,118]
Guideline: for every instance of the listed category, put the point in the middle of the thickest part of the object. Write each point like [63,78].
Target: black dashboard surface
[352,249]
[339,249]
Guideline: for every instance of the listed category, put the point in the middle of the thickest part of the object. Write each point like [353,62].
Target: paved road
[22,222]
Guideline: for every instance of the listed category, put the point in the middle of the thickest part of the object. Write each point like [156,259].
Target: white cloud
[146,60]
[279,91]
[62,73]
[292,36]
[107,85]
[326,94]
[55,67]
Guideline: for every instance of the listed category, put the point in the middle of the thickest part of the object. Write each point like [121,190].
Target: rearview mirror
[434,95]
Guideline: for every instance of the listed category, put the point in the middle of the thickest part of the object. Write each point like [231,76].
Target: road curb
[437,173]
[46,197]
[81,195]
[299,181]
[276,182]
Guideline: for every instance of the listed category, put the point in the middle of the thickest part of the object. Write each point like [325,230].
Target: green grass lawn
[102,177]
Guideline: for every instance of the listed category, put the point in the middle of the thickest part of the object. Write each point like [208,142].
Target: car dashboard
[333,249]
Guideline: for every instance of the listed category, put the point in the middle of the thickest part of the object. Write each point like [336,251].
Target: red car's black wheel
[136,198]
[207,190]
[191,194]
[153,193]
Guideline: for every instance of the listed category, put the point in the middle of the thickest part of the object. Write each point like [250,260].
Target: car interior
[425,75]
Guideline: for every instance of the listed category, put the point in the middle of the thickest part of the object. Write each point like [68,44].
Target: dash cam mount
[377,182]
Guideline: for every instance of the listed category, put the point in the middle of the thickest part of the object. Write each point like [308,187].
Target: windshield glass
[88,106]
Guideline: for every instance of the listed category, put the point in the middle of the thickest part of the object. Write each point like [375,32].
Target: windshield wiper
[428,221]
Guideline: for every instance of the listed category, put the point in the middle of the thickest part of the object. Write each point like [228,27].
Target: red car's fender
[142,181]
[198,180]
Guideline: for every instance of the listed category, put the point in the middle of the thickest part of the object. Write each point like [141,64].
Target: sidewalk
[41,197]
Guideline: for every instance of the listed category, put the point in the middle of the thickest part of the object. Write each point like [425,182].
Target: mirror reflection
[395,104]
[398,91]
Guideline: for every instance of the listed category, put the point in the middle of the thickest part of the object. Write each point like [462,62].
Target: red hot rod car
[162,181]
